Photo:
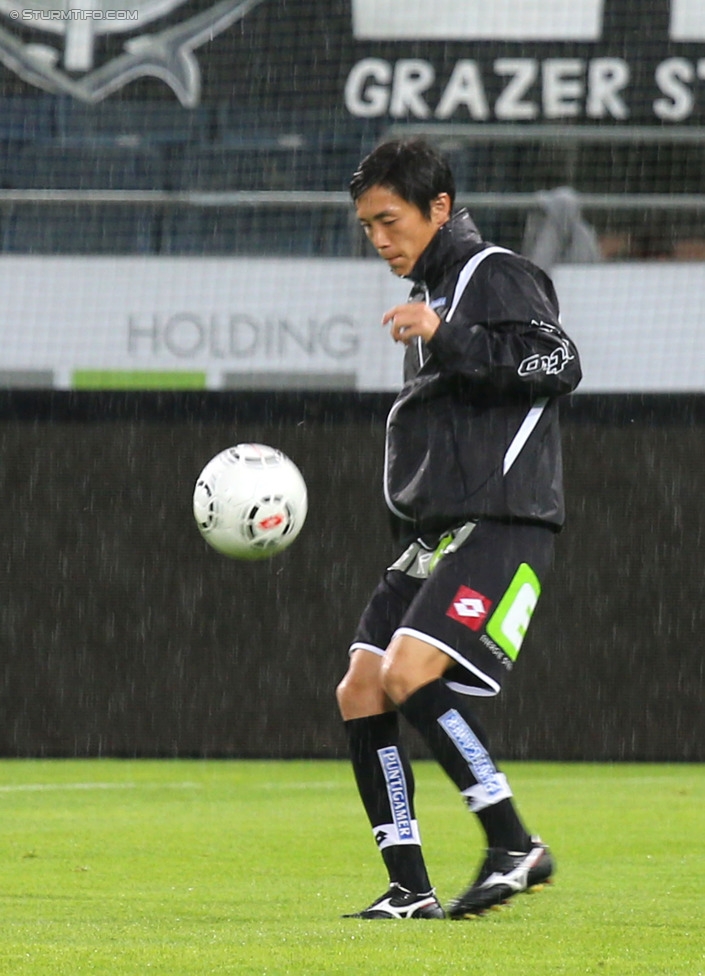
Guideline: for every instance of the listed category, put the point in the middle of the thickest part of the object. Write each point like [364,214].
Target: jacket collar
[453,242]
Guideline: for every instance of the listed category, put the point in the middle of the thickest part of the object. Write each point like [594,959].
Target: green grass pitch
[181,868]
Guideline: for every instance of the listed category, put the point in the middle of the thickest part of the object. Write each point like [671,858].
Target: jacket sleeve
[504,336]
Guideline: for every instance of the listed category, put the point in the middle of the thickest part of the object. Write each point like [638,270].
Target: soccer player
[472,479]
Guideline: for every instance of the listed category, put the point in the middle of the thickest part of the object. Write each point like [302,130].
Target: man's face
[397,229]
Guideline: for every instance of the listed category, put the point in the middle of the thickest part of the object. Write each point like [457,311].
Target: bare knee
[398,680]
[409,664]
[360,693]
[395,681]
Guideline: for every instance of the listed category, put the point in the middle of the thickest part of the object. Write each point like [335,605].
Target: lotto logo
[469,607]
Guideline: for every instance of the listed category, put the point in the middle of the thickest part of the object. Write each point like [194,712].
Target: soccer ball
[250,502]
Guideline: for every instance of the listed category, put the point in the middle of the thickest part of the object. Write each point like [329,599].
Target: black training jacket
[474,431]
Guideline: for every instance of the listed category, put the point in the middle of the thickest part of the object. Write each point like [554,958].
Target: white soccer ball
[250,501]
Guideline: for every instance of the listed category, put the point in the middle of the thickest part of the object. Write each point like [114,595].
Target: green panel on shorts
[508,624]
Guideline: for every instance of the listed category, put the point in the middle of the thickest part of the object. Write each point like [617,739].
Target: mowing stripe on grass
[41,787]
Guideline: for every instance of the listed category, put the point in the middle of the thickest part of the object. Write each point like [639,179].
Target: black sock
[459,745]
[386,784]
[503,827]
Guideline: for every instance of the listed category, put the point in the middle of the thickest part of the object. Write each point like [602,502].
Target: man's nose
[379,238]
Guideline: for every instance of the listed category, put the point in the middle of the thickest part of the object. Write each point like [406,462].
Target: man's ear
[440,209]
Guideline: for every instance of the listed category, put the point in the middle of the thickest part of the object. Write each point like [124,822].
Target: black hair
[411,168]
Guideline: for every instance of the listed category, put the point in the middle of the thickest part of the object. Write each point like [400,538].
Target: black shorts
[475,605]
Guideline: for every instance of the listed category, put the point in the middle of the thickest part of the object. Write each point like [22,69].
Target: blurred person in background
[557,233]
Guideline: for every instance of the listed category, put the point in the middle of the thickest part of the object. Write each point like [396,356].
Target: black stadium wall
[123,634]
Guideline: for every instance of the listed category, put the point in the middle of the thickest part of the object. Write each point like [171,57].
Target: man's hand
[411,320]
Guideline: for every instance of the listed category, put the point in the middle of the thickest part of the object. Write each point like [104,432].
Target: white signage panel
[468,20]
[687,20]
[225,323]
[638,327]
[220,321]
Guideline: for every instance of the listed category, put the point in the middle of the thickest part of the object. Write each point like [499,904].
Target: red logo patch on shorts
[469,607]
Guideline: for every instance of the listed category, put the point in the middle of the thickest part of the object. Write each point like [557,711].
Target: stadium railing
[221,183]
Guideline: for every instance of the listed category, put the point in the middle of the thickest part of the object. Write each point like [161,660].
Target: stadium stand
[138,123]
[90,227]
